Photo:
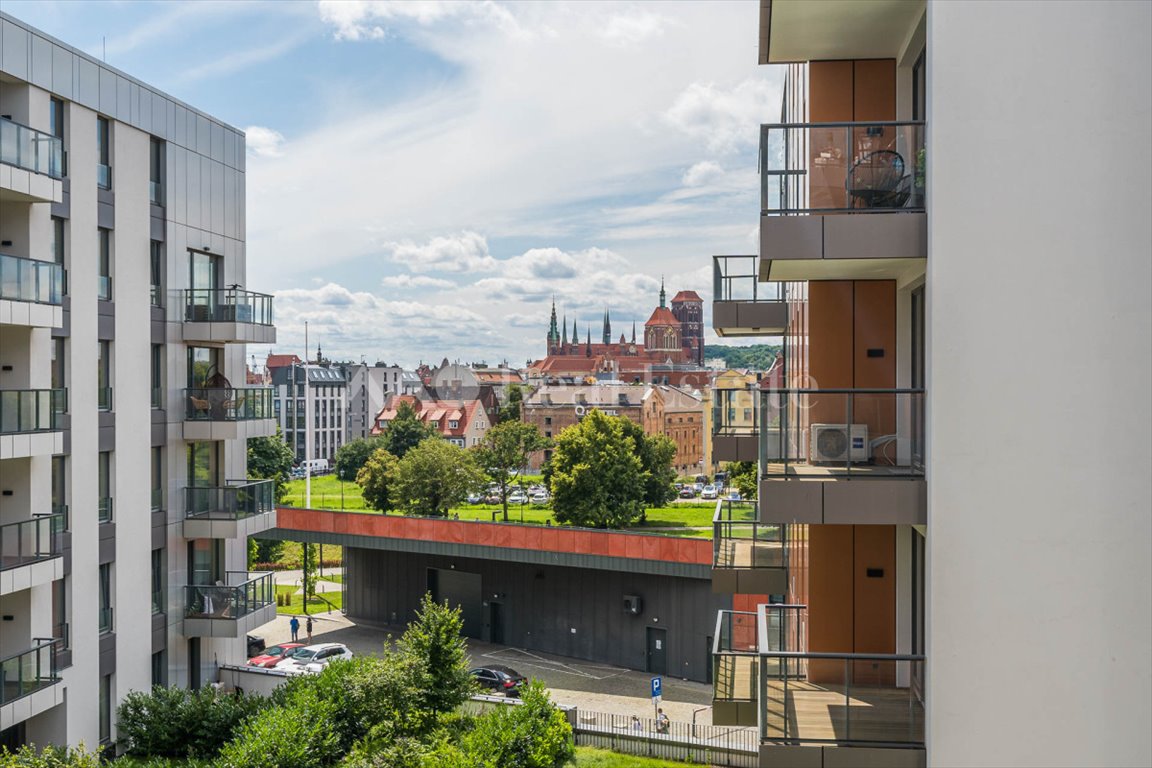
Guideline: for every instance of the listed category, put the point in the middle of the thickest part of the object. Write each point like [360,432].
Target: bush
[176,722]
[534,734]
[51,757]
[300,734]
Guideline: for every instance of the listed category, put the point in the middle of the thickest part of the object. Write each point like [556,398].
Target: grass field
[590,757]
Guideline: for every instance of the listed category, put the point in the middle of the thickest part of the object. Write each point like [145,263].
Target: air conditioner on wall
[835,443]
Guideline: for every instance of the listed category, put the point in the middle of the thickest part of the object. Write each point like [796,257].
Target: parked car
[709,492]
[687,492]
[500,679]
[517,497]
[733,495]
[474,498]
[272,656]
[312,658]
[255,645]
[539,497]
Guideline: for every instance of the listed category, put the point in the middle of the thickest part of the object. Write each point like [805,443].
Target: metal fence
[686,742]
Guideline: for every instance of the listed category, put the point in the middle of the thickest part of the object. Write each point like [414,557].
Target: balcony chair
[202,407]
[877,180]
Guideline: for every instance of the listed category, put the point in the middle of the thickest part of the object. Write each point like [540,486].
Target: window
[104,487]
[453,425]
[60,487]
[157,375]
[105,708]
[56,125]
[158,581]
[156,268]
[103,153]
[58,359]
[104,376]
[160,668]
[58,240]
[157,479]
[105,586]
[156,172]
[105,264]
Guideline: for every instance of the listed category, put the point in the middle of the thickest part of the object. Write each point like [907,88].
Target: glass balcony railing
[31,410]
[736,411]
[227,305]
[157,499]
[104,620]
[245,592]
[104,288]
[30,541]
[104,510]
[157,296]
[735,659]
[216,404]
[24,673]
[844,432]
[156,192]
[30,149]
[740,540]
[104,398]
[235,501]
[842,167]
[103,176]
[40,282]
[736,278]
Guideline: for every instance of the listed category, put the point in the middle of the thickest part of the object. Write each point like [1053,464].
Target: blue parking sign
[657,687]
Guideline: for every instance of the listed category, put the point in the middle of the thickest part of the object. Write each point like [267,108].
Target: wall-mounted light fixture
[6,243]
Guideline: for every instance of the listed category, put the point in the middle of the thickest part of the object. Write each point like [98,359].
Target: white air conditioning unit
[836,444]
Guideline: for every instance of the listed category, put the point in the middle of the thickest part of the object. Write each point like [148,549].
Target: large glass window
[158,581]
[157,479]
[919,87]
[58,360]
[205,270]
[105,589]
[157,375]
[203,461]
[105,264]
[104,376]
[156,269]
[156,171]
[205,561]
[103,153]
[204,367]
[60,613]
[104,486]
[105,707]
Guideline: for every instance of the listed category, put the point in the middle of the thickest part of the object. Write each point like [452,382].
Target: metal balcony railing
[218,404]
[31,410]
[31,149]
[30,541]
[24,673]
[39,282]
[736,278]
[244,593]
[237,500]
[227,305]
[844,432]
[740,540]
[736,411]
[876,167]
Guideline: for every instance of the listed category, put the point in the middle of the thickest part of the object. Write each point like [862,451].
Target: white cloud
[463,252]
[631,28]
[263,142]
[727,119]
[415,281]
[701,174]
[369,19]
[238,60]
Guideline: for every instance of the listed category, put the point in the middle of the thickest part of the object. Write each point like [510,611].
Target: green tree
[435,645]
[300,733]
[656,453]
[505,451]
[512,409]
[597,477]
[742,477]
[433,477]
[376,480]
[406,431]
[270,458]
[27,756]
[264,550]
[533,735]
[351,456]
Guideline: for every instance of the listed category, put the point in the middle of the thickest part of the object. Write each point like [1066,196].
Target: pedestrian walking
[662,721]
[294,625]
[308,629]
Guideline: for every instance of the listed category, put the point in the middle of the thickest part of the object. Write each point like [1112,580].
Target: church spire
[662,291]
[588,343]
[553,331]
[607,327]
[575,332]
[565,326]
[633,331]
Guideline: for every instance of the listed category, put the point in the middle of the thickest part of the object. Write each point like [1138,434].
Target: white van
[316,466]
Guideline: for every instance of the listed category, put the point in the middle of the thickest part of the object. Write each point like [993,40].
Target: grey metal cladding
[89,92]
[14,50]
[63,72]
[41,63]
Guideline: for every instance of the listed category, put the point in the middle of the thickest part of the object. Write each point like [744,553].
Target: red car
[271,656]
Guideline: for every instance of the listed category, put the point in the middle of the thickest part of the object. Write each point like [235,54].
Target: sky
[424,178]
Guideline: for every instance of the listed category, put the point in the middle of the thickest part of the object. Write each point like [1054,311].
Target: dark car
[500,679]
[255,645]
[687,492]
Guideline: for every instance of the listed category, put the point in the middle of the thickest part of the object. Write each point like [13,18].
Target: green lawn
[590,757]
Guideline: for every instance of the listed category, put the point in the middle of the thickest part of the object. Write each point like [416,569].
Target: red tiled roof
[686,296]
[662,316]
[282,361]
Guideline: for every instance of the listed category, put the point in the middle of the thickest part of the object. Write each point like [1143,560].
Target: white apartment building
[952,544]
[123,318]
[319,390]
[368,389]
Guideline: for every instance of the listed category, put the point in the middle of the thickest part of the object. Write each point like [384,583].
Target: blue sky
[424,177]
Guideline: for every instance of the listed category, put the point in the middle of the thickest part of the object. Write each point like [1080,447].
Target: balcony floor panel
[745,553]
[818,713]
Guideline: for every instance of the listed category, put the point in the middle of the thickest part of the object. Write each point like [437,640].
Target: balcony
[736,424]
[29,677]
[31,165]
[736,660]
[741,306]
[842,201]
[30,553]
[748,557]
[862,29]
[241,508]
[229,609]
[212,413]
[228,315]
[844,456]
[31,292]
[30,422]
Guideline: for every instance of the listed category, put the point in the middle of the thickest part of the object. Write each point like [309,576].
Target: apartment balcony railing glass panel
[104,510]
[41,282]
[156,192]
[737,278]
[243,593]
[740,540]
[844,432]
[30,541]
[24,673]
[103,176]
[237,500]
[735,660]
[104,288]
[842,167]
[104,620]
[227,305]
[31,410]
[736,411]
[30,149]
[226,404]
[104,398]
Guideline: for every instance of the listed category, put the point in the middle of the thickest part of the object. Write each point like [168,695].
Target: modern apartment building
[124,510]
[368,388]
[957,578]
[309,388]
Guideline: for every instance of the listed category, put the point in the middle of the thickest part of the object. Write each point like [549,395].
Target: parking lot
[590,686]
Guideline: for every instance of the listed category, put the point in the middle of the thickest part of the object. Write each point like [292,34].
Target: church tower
[688,308]
[662,331]
[607,335]
[553,332]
